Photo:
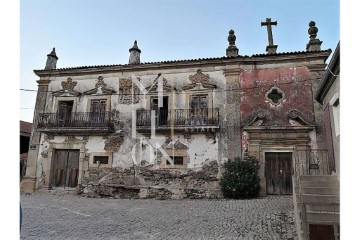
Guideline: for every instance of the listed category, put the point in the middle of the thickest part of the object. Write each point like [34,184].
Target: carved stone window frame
[176,153]
[191,93]
[101,154]
[59,99]
[278,90]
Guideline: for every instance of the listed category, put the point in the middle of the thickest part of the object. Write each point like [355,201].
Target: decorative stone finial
[314,43]
[231,37]
[134,54]
[232,50]
[312,30]
[51,60]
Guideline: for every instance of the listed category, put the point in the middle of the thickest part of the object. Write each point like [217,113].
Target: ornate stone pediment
[199,81]
[68,89]
[177,146]
[155,86]
[129,92]
[68,85]
[199,77]
[199,86]
[257,119]
[296,118]
[100,88]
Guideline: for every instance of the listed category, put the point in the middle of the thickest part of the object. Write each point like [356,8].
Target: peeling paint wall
[295,85]
[202,147]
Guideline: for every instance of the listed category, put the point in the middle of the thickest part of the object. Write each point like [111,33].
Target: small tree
[240,179]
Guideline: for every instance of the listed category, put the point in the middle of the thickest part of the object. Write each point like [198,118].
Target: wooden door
[97,111]
[66,168]
[64,112]
[278,171]
[161,113]
[199,109]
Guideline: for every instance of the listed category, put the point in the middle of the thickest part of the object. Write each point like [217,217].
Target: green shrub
[240,179]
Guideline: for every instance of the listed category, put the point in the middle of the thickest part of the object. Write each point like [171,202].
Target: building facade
[328,94]
[171,125]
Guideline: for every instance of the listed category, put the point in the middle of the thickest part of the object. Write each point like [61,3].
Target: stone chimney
[314,43]
[51,60]
[232,50]
[134,54]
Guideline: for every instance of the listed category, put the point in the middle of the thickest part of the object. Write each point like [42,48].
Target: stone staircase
[320,196]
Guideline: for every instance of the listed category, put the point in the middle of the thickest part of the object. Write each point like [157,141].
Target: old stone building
[165,128]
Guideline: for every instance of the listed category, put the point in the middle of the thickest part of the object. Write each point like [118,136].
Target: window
[98,105]
[101,159]
[199,101]
[178,160]
[64,111]
[335,103]
[97,111]
[199,109]
[275,96]
[161,113]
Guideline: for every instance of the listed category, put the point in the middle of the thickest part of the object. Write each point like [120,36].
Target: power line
[27,90]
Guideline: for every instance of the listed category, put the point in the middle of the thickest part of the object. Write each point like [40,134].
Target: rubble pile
[146,182]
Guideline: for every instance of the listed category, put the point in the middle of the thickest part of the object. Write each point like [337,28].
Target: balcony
[192,120]
[75,123]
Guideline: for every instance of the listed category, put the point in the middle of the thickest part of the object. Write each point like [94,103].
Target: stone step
[321,190]
[322,222]
[332,208]
[305,184]
[321,199]
[324,178]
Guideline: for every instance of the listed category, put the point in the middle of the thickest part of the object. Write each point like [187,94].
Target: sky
[100,32]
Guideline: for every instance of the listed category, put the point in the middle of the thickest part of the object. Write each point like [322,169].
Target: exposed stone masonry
[145,182]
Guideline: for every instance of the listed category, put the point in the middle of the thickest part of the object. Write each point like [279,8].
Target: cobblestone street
[73,217]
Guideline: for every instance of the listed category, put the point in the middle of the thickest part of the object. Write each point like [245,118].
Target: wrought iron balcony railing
[188,118]
[76,121]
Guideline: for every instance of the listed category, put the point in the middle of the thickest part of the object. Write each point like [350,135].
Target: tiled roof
[25,127]
[194,60]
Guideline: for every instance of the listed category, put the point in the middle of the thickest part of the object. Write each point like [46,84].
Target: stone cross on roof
[268,23]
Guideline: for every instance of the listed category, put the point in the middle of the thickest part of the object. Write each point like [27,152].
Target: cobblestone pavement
[73,217]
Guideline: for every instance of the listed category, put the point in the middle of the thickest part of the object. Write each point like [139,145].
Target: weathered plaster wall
[201,147]
[295,84]
[334,92]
